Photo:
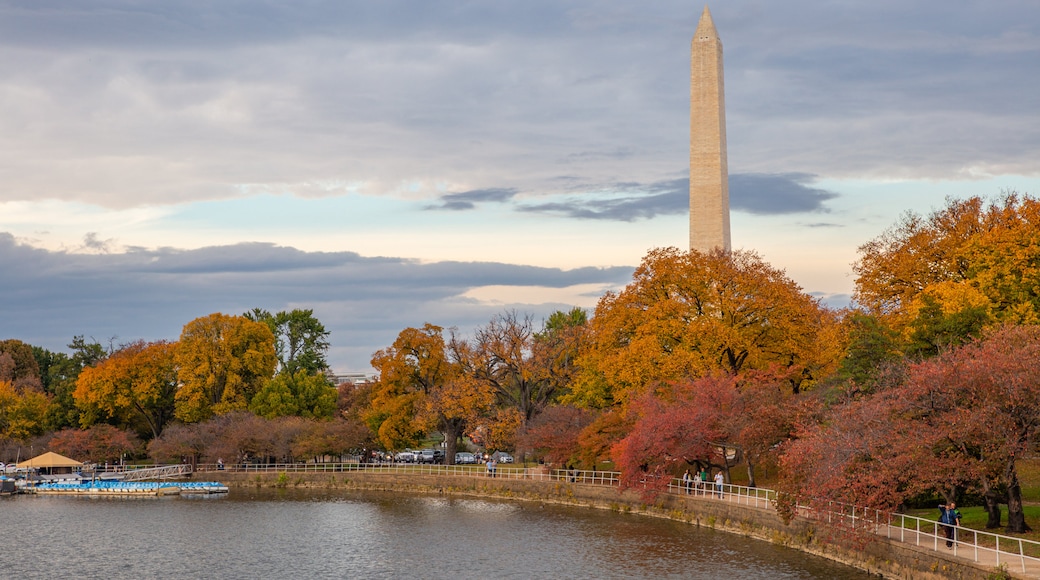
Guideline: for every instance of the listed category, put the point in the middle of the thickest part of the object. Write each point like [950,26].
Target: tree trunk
[750,470]
[1016,517]
[452,431]
[992,505]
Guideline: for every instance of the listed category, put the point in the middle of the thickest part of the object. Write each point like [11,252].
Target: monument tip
[706,27]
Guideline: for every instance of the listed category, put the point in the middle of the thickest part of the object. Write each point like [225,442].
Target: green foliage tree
[302,394]
[301,341]
[59,373]
[871,348]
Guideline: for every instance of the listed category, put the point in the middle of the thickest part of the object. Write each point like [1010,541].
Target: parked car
[430,456]
[464,458]
[405,457]
[502,457]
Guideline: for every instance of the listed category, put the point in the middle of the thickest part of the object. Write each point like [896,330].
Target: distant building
[356,379]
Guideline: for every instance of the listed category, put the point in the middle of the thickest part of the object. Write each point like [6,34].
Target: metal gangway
[154,473]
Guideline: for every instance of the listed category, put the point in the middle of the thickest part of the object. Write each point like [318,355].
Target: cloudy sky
[397,162]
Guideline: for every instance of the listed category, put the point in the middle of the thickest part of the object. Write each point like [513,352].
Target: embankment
[878,556]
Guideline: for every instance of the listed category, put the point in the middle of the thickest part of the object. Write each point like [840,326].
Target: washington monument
[709,176]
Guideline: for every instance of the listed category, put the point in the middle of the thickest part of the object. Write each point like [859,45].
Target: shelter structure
[51,463]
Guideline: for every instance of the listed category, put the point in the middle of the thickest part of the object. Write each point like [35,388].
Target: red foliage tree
[682,424]
[958,423]
[100,444]
[553,435]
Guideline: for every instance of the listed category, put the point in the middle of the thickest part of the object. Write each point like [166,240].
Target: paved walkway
[966,548]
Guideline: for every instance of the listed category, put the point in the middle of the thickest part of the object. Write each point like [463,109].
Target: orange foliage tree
[690,314]
[422,386]
[139,381]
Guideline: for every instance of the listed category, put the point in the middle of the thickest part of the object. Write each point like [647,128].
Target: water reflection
[338,534]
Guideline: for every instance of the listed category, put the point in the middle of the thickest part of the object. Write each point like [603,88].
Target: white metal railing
[504,471]
[753,496]
[976,545]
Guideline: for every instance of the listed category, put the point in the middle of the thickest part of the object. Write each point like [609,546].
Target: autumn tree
[222,362]
[939,280]
[22,414]
[690,314]
[553,435]
[187,442]
[525,371]
[336,438]
[422,386]
[960,422]
[136,383]
[59,373]
[860,455]
[99,443]
[18,365]
[675,426]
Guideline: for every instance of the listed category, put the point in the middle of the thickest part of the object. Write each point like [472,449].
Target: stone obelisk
[709,176]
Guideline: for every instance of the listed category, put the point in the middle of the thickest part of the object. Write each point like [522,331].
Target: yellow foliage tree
[222,362]
[689,314]
[22,414]
[137,382]
[965,267]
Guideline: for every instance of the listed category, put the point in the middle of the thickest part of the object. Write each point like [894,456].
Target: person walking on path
[490,467]
[687,481]
[702,482]
[719,481]
[949,515]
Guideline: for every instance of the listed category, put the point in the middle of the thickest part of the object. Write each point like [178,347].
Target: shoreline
[879,557]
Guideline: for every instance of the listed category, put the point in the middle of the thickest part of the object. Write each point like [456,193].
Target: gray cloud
[51,296]
[771,194]
[192,94]
[760,194]
[467,200]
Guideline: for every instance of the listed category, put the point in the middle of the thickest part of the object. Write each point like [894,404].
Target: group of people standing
[699,482]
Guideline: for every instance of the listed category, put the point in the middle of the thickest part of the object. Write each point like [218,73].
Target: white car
[464,457]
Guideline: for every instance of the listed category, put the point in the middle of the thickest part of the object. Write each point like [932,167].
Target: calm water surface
[340,534]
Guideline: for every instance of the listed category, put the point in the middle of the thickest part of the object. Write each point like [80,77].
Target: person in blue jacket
[949,516]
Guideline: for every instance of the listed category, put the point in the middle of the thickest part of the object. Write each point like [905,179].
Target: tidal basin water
[342,534]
